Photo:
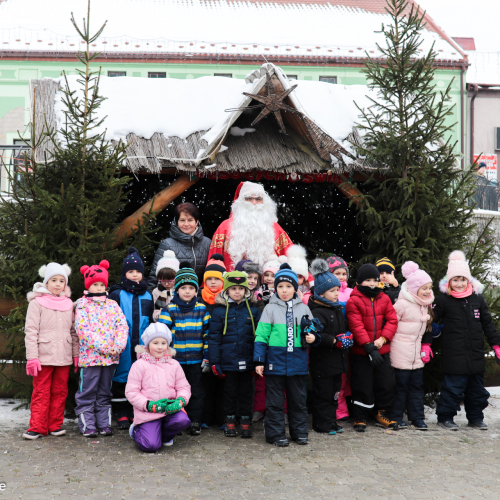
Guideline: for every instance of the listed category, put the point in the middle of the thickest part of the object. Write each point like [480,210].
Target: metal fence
[11,162]
[487,194]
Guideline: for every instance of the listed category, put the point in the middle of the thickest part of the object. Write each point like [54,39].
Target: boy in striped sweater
[188,320]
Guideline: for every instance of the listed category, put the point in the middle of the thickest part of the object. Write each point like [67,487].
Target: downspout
[462,71]
[475,88]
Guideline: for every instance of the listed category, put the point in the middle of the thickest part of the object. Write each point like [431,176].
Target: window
[226,75]
[117,73]
[157,74]
[292,77]
[328,79]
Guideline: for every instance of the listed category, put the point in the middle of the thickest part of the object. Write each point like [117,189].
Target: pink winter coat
[153,381]
[344,292]
[406,345]
[50,334]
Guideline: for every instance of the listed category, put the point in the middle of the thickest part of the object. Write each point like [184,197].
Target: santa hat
[168,261]
[95,274]
[274,264]
[248,189]
[415,277]
[296,255]
[54,269]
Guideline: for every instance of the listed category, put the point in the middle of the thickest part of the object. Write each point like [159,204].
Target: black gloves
[375,357]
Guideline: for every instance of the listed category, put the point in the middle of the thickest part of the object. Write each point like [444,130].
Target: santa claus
[252,231]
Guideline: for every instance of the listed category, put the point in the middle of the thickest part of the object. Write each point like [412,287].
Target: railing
[487,194]
[11,161]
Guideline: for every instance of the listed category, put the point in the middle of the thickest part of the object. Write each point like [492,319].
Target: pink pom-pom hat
[415,277]
[458,266]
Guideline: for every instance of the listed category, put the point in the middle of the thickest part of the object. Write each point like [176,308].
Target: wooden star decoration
[273,103]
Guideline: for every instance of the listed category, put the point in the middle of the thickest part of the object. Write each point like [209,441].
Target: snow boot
[478,424]
[360,425]
[246,427]
[230,426]
[449,425]
[384,421]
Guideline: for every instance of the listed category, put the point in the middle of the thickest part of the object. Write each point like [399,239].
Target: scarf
[155,361]
[415,299]
[461,295]
[319,298]
[50,301]
[343,285]
[369,291]
[208,296]
[183,306]
[131,286]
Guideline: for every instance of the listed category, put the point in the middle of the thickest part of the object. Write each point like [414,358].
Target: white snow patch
[240,132]
[223,148]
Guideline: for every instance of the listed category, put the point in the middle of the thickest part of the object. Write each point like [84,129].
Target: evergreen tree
[64,209]
[416,205]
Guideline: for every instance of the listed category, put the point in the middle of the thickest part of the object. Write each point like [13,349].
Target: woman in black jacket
[186,240]
[465,317]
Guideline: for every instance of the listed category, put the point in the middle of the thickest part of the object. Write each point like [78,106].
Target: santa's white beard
[252,231]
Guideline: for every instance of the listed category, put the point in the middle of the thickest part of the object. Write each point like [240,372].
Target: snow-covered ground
[10,419]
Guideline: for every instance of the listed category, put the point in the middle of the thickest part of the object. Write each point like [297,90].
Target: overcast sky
[478,19]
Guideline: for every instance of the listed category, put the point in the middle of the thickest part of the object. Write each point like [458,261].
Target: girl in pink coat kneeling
[158,390]
[410,347]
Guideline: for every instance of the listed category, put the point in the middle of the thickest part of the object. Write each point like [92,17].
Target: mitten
[497,353]
[436,330]
[156,406]
[175,406]
[373,354]
[33,366]
[156,315]
[75,362]
[217,370]
[426,353]
[344,340]
[205,366]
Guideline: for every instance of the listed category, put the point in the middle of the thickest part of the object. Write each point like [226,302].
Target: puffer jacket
[406,346]
[101,327]
[326,359]
[233,351]
[192,248]
[50,334]
[153,381]
[280,353]
[370,319]
[462,339]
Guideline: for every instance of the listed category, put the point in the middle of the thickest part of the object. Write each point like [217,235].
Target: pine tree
[415,206]
[64,209]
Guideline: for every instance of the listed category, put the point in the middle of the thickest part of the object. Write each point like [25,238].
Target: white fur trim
[251,189]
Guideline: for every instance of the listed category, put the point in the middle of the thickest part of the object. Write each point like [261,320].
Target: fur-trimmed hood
[221,301]
[39,289]
[477,287]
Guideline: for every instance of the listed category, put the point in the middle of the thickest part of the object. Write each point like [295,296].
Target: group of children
[240,348]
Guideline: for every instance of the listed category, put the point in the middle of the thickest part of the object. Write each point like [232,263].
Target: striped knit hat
[185,276]
[286,275]
[385,265]
[215,267]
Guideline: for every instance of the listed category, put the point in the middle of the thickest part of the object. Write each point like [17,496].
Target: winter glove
[156,406]
[426,353]
[217,370]
[344,340]
[75,362]
[375,357]
[497,353]
[436,330]
[175,406]
[156,315]
[205,366]
[33,366]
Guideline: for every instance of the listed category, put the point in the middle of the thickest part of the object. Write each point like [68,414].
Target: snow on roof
[308,28]
[484,69]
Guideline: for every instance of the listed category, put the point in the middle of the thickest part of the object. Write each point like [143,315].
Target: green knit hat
[235,278]
[185,276]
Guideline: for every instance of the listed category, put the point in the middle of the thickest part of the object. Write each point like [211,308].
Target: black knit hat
[366,272]
[132,262]
[385,265]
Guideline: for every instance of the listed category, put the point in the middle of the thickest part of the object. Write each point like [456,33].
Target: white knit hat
[54,269]
[154,331]
[458,266]
[167,261]
[297,259]
[251,189]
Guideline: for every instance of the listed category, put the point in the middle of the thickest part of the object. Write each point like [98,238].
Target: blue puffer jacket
[138,310]
[233,351]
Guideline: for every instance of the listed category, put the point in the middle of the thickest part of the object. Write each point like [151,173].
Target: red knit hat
[95,274]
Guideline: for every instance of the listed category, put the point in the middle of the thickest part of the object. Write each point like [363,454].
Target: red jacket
[370,319]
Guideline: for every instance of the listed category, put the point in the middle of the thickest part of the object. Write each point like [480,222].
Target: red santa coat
[220,242]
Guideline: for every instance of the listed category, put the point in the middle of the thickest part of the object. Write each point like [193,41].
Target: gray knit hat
[252,267]
[154,331]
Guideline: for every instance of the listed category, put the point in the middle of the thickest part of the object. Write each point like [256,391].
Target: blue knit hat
[286,275]
[132,262]
[185,276]
[324,280]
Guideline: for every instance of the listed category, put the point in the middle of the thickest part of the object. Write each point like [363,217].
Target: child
[254,273]
[296,256]
[189,321]
[166,268]
[338,267]
[230,350]
[412,339]
[373,322]
[388,282]
[137,306]
[158,390]
[465,316]
[214,386]
[51,347]
[328,360]
[103,333]
[266,291]
[278,354]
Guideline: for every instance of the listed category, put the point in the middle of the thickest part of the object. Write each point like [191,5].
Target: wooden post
[6,305]
[158,203]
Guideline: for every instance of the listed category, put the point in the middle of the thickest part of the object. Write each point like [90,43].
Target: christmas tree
[65,209]
[416,205]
